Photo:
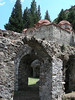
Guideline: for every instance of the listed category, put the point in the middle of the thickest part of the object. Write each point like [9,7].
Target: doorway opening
[70,75]
[28,78]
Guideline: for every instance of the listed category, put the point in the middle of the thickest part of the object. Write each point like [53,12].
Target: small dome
[63,22]
[65,25]
[42,22]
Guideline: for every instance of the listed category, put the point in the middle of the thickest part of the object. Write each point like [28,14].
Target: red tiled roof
[42,22]
[64,22]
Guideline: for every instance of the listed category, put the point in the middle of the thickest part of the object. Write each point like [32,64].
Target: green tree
[39,13]
[15,21]
[26,18]
[33,8]
[68,14]
[35,14]
[71,17]
[61,16]
[47,15]
[55,21]
[31,16]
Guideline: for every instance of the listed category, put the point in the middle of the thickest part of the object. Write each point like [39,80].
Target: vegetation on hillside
[68,15]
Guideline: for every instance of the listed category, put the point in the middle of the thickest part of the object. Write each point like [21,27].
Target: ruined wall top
[19,39]
[52,32]
[52,48]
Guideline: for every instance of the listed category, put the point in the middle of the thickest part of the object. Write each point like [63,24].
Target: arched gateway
[27,54]
[50,68]
[21,55]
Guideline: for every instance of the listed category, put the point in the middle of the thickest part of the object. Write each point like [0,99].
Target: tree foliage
[35,13]
[60,17]
[26,18]
[32,15]
[71,17]
[39,13]
[15,21]
[18,21]
[47,16]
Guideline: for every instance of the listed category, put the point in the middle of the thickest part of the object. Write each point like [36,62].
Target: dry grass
[69,96]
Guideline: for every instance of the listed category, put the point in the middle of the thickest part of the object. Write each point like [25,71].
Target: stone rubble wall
[52,33]
[9,44]
[12,49]
[57,86]
[53,87]
[61,36]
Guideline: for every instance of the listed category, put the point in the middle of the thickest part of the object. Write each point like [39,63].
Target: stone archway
[23,64]
[24,71]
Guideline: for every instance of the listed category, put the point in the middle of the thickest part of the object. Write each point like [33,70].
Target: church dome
[42,22]
[65,25]
[64,22]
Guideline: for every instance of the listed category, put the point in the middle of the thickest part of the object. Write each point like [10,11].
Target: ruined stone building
[46,51]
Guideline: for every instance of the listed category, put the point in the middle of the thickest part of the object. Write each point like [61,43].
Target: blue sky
[53,6]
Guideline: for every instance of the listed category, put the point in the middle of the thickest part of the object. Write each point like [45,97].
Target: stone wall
[14,47]
[53,33]
[62,36]
[52,87]
[45,79]
[8,48]
[6,69]
[57,86]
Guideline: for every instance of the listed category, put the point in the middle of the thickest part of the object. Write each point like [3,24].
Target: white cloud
[1,4]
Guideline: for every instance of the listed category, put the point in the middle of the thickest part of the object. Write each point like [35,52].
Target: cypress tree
[33,7]
[34,13]
[15,21]
[39,13]
[47,15]
[33,10]
[61,16]
[26,18]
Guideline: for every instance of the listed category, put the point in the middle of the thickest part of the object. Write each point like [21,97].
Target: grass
[32,81]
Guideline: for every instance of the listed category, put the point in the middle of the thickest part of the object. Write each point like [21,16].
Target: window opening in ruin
[70,75]
[28,78]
